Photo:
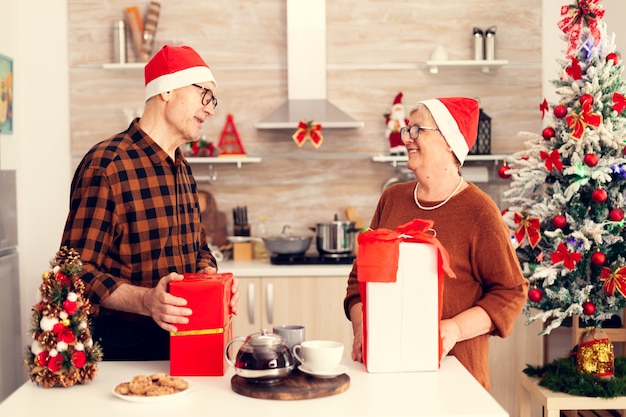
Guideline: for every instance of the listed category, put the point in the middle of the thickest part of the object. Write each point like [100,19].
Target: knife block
[242,251]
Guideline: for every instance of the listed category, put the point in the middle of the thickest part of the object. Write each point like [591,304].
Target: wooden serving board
[296,386]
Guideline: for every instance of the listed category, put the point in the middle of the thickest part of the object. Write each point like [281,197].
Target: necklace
[458,187]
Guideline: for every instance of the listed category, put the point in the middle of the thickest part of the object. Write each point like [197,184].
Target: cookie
[152,386]
[172,381]
[139,384]
[122,388]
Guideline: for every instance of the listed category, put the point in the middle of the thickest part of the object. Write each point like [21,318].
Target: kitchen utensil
[319,356]
[263,357]
[287,243]
[336,237]
[292,333]
[240,221]
[490,43]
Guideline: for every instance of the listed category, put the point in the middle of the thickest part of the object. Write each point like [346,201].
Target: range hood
[306,72]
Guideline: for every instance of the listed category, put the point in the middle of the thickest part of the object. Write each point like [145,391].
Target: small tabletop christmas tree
[567,191]
[62,352]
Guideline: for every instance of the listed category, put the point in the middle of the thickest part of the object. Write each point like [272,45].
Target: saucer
[338,370]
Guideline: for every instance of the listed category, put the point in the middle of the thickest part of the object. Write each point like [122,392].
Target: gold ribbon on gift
[200,332]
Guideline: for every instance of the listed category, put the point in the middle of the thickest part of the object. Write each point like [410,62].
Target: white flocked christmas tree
[566,200]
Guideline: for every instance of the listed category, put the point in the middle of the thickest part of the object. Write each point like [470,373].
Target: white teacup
[319,355]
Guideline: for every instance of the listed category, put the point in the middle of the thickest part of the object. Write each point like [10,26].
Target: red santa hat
[175,67]
[398,99]
[457,119]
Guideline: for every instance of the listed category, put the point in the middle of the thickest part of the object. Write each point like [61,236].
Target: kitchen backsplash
[375,49]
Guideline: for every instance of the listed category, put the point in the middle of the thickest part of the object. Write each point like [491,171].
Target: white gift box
[402,317]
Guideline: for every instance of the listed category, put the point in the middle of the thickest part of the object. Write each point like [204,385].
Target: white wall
[34,34]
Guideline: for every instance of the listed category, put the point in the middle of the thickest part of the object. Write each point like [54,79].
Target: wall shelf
[484,64]
[394,159]
[239,160]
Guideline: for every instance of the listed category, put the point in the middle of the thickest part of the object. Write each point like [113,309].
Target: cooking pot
[263,357]
[286,244]
[336,237]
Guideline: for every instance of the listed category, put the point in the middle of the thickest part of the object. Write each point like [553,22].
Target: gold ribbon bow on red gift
[528,227]
[614,280]
[308,130]
[575,16]
[568,258]
[578,122]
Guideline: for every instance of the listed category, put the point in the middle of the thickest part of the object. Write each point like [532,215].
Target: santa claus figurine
[395,121]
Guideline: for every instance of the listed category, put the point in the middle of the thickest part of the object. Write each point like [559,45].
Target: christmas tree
[567,192]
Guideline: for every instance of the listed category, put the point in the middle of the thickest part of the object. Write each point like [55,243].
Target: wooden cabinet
[314,302]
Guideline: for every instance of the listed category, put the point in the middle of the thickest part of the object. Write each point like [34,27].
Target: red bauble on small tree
[591,160]
[548,133]
[535,295]
[599,196]
[616,215]
[560,111]
[598,258]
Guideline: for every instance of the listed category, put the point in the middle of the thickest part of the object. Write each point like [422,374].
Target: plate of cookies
[152,388]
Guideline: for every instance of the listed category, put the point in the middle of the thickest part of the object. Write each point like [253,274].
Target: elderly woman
[489,291]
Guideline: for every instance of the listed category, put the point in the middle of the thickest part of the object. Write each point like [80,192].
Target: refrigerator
[12,368]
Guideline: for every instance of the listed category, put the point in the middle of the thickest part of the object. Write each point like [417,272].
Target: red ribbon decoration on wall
[619,102]
[308,130]
[575,17]
[553,160]
[578,122]
[544,108]
[569,258]
[528,227]
[614,280]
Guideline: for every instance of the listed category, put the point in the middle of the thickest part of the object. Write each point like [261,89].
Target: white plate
[151,400]
[341,369]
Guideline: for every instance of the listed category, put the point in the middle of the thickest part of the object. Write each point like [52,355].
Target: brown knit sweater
[471,228]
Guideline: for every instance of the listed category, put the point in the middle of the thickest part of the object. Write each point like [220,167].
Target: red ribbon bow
[553,160]
[619,102]
[575,71]
[575,16]
[569,258]
[528,227]
[614,280]
[308,130]
[578,122]
[544,108]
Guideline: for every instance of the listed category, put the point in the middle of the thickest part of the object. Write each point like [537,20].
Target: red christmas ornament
[613,56]
[599,196]
[591,159]
[598,258]
[535,295]
[548,133]
[502,172]
[560,111]
[586,98]
[559,221]
[616,215]
[589,308]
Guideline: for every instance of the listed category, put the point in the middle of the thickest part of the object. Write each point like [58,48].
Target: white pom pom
[63,315]
[56,269]
[36,348]
[82,325]
[79,346]
[47,323]
[61,346]
[89,343]
[71,296]
[53,353]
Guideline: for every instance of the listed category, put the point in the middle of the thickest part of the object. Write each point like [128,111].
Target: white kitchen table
[451,391]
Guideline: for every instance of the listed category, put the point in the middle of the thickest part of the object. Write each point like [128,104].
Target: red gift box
[197,348]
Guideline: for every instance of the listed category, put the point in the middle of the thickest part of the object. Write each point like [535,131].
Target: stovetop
[312,259]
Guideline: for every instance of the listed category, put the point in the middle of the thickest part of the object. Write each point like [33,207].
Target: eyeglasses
[207,96]
[413,132]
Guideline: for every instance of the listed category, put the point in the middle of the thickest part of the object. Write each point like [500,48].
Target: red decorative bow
[574,70]
[528,226]
[569,258]
[614,280]
[575,16]
[544,108]
[553,160]
[308,130]
[578,122]
[619,102]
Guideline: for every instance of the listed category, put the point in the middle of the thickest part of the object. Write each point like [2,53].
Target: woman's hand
[450,333]
[356,317]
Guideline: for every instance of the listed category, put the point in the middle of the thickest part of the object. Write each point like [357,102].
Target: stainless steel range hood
[306,72]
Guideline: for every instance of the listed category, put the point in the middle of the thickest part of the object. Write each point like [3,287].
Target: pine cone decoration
[63,352]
